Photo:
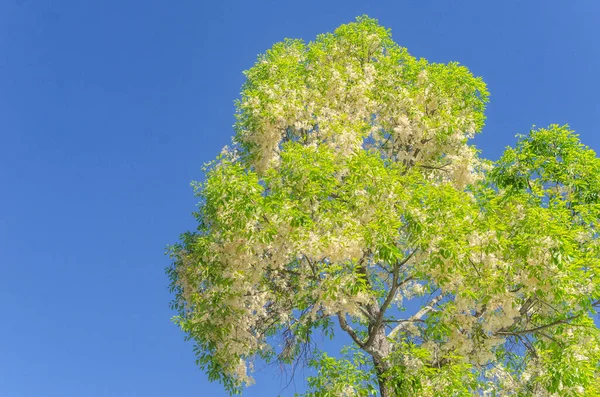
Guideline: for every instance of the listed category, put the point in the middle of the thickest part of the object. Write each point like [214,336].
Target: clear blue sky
[109,108]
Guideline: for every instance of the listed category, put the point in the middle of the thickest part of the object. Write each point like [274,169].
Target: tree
[351,201]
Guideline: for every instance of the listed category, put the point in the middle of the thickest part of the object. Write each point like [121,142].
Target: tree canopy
[352,201]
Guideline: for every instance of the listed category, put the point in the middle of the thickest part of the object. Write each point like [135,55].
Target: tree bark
[379,351]
[384,385]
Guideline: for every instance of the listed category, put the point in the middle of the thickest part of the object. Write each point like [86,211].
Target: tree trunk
[384,385]
[380,350]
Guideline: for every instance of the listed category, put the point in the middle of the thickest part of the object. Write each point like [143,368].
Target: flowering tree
[351,201]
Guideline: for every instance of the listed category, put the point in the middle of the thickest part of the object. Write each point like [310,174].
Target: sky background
[108,109]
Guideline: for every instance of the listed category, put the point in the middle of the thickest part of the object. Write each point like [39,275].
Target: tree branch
[396,284]
[417,316]
[537,329]
[349,330]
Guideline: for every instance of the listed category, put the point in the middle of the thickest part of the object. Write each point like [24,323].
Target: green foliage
[350,375]
[351,196]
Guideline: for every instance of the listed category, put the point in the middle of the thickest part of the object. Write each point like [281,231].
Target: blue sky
[108,109]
